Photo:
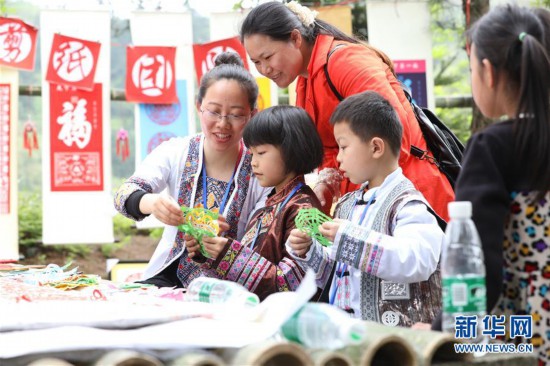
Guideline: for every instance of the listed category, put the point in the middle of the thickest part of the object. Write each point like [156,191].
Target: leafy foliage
[30,218]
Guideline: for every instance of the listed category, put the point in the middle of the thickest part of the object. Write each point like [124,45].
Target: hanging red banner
[17,43]
[205,54]
[76,139]
[5,108]
[73,62]
[151,75]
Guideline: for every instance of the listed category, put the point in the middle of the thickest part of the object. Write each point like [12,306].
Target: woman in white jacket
[211,170]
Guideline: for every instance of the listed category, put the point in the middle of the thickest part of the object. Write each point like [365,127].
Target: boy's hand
[330,228]
[299,242]
[192,245]
[214,246]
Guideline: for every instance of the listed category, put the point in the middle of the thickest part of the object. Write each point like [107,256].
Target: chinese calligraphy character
[73,61]
[152,74]
[466,326]
[75,128]
[209,62]
[15,42]
[521,326]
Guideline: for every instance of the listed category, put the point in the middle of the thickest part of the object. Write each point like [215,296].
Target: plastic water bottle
[462,269]
[319,325]
[215,291]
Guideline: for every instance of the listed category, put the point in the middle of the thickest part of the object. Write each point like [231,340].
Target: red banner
[5,108]
[76,139]
[17,43]
[151,75]
[205,54]
[73,62]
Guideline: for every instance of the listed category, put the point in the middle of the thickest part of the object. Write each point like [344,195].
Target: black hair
[292,130]
[370,115]
[277,21]
[228,65]
[515,40]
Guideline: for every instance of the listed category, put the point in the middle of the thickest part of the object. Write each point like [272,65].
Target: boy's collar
[364,192]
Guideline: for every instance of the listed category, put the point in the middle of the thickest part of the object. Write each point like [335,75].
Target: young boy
[386,241]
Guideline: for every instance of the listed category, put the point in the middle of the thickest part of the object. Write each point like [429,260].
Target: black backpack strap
[330,84]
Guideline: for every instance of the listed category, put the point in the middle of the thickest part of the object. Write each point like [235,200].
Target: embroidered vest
[387,302]
[188,269]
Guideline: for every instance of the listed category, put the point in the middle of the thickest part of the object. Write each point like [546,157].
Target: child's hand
[222,223]
[214,246]
[193,246]
[330,228]
[299,242]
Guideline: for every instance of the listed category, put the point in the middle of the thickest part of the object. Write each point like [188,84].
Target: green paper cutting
[308,221]
[199,222]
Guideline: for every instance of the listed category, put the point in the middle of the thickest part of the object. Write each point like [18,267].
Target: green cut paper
[308,221]
[195,231]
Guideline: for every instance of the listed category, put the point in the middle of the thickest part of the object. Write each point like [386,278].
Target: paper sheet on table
[190,333]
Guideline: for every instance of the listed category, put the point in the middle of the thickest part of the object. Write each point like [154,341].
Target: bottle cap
[460,209]
[353,331]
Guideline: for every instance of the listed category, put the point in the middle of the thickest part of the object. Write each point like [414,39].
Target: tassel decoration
[122,144]
[30,137]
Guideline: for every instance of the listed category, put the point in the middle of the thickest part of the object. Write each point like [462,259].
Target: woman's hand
[163,207]
[214,246]
[299,242]
[324,194]
[327,189]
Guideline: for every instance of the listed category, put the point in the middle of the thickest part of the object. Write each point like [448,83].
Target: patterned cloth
[266,267]
[514,232]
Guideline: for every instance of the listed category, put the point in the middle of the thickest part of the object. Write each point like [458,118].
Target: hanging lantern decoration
[30,137]
[122,145]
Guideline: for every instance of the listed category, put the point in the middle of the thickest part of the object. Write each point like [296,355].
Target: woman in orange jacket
[286,42]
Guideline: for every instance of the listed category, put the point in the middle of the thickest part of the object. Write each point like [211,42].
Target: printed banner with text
[76,139]
[5,143]
[205,54]
[151,75]
[412,73]
[17,43]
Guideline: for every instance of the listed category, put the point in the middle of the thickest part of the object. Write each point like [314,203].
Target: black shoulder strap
[330,84]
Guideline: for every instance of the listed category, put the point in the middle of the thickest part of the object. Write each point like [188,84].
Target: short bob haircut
[370,115]
[292,130]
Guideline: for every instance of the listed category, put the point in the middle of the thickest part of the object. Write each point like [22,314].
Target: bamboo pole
[429,346]
[125,357]
[197,358]
[329,358]
[267,354]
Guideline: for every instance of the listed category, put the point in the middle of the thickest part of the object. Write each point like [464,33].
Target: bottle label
[464,295]
[290,328]
[205,291]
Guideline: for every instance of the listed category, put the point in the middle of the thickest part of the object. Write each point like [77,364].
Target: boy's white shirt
[410,255]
